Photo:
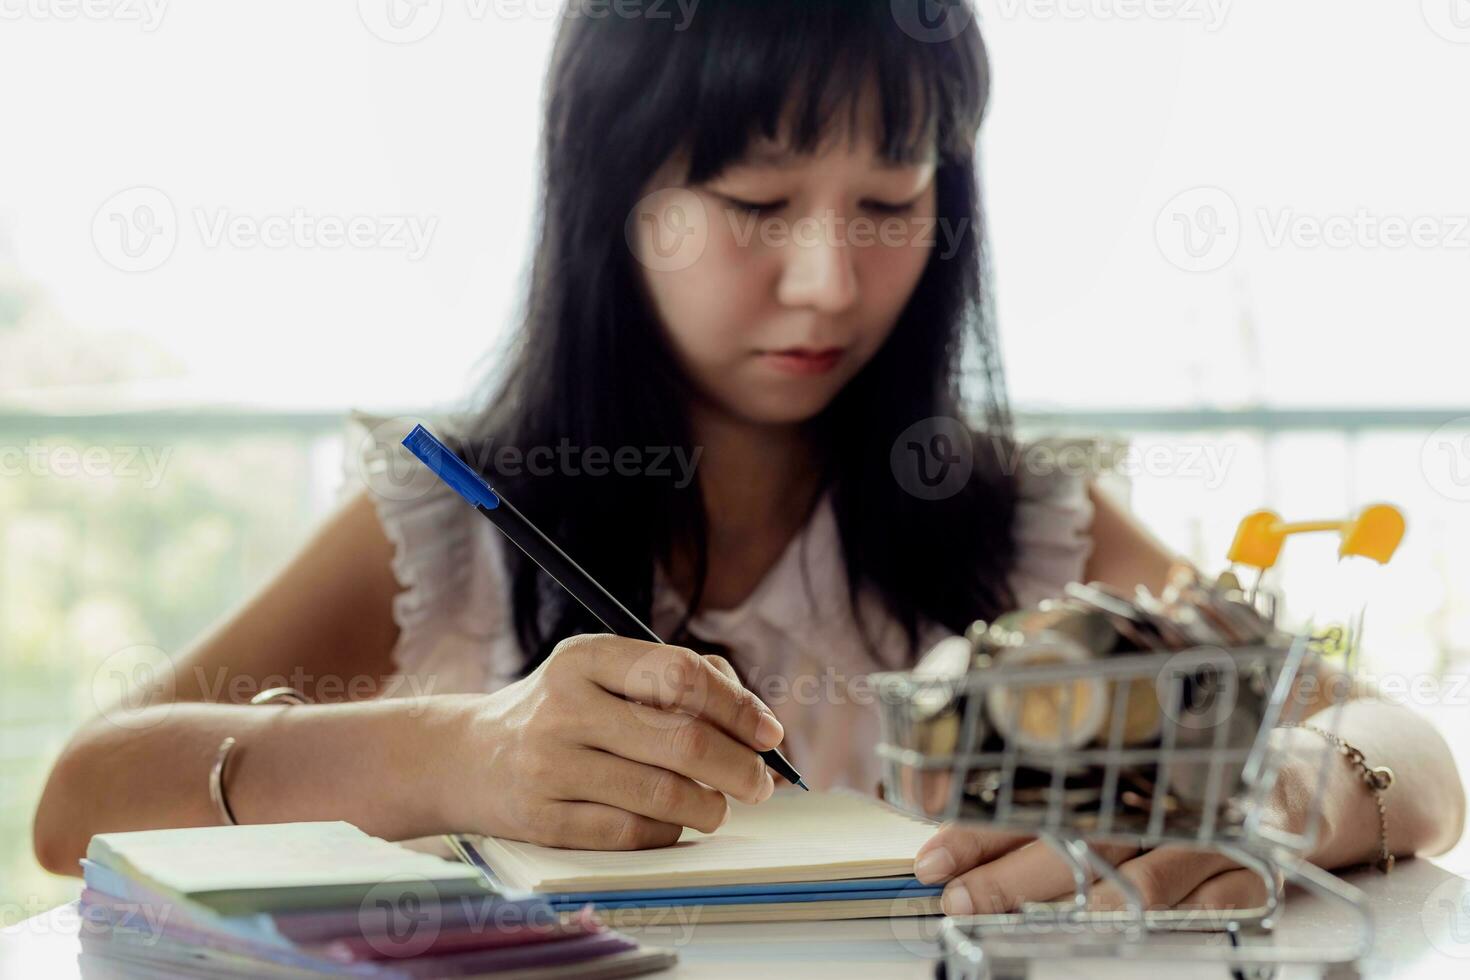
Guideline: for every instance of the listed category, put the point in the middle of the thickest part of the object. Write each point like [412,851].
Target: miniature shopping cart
[1031,732]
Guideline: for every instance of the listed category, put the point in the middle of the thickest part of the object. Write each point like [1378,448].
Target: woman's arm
[610,743]
[1425,806]
[324,623]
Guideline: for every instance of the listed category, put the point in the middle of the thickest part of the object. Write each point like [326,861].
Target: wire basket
[1147,749]
[1054,734]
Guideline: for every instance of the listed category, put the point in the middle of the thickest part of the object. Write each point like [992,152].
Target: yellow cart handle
[1375,533]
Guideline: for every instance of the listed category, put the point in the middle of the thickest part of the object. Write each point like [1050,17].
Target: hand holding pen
[615,734]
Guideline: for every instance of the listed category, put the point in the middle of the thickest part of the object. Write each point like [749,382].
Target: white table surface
[1422,929]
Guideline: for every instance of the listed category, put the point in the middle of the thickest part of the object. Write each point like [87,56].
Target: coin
[1039,715]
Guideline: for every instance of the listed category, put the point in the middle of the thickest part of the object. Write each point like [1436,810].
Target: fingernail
[937,865]
[956,900]
[768,731]
[767,788]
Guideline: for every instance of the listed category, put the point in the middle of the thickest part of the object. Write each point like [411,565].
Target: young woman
[760,251]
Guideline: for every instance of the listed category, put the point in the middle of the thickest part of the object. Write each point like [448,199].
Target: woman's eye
[754,207]
[887,207]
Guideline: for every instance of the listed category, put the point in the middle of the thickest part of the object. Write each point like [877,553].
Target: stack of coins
[1209,708]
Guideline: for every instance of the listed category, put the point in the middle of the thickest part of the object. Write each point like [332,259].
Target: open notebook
[796,856]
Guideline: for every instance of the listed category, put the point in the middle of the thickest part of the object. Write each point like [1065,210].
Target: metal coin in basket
[1106,718]
[1199,783]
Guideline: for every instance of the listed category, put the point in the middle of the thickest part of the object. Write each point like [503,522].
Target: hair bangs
[801,74]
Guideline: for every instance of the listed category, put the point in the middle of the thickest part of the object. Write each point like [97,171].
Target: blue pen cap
[450,468]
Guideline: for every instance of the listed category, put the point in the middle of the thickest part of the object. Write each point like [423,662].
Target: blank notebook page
[793,836]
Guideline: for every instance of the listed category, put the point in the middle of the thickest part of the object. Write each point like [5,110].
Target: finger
[599,827]
[1163,877]
[723,666]
[1237,889]
[1030,873]
[955,848]
[663,795]
[689,746]
[678,679]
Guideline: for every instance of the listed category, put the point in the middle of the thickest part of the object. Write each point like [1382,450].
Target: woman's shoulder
[453,610]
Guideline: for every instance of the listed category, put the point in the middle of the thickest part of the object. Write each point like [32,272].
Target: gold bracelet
[1377,780]
[275,695]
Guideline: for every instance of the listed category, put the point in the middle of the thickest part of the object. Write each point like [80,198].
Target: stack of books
[796,857]
[324,899]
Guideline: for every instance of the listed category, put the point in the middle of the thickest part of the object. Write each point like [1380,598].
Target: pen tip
[803,785]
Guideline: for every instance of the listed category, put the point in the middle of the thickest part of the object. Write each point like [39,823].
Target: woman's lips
[803,360]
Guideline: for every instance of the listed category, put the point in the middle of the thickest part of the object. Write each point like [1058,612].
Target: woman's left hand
[991,872]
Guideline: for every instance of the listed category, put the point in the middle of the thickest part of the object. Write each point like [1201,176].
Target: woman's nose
[819,271]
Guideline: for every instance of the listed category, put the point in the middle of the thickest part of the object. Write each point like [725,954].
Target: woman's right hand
[612,744]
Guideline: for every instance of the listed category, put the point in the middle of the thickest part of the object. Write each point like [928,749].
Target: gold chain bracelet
[275,695]
[1376,779]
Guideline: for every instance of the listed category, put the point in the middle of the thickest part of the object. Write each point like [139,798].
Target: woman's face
[778,279]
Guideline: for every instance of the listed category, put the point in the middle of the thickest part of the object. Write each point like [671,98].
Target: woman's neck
[758,484]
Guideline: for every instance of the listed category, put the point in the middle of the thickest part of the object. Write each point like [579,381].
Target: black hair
[590,366]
